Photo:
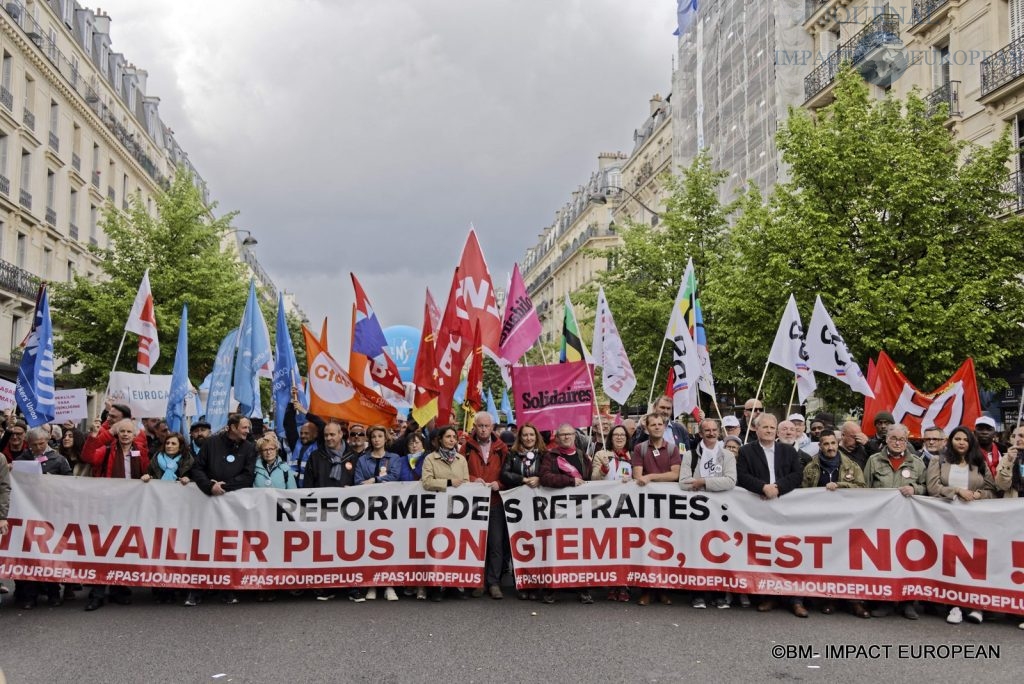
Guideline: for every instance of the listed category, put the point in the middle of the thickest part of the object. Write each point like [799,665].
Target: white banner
[145,395]
[160,534]
[871,544]
[72,404]
[7,399]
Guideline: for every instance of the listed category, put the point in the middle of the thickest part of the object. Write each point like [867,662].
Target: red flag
[323,332]
[451,350]
[334,394]
[358,364]
[476,295]
[142,322]
[425,401]
[434,311]
[475,379]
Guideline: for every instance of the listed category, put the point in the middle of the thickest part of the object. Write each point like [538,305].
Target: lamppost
[248,240]
[601,198]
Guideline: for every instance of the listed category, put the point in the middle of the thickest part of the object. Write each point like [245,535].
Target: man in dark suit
[770,469]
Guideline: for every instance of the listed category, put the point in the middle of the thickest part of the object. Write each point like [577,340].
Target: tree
[893,221]
[181,247]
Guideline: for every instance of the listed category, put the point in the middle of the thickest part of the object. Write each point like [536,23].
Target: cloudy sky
[367,135]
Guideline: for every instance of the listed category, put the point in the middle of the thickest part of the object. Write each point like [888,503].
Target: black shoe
[548,597]
[585,598]
[27,605]
[192,600]
[122,600]
[229,598]
[435,595]
[56,602]
[94,604]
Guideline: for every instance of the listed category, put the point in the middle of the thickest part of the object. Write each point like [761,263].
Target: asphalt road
[478,640]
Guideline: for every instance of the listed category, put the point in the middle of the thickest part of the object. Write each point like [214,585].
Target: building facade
[644,189]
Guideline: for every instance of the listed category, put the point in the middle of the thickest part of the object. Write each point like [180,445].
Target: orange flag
[333,394]
[475,379]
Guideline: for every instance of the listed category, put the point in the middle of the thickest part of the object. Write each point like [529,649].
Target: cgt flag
[142,322]
[424,405]
[790,351]
[35,392]
[475,295]
[829,354]
[333,394]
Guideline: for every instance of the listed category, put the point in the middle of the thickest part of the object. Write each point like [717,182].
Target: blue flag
[491,408]
[506,406]
[180,386]
[286,368]
[686,12]
[253,354]
[218,401]
[35,392]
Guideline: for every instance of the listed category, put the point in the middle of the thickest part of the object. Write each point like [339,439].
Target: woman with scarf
[444,467]
[522,467]
[614,463]
[410,469]
[565,466]
[172,463]
[961,476]
[374,467]
[272,471]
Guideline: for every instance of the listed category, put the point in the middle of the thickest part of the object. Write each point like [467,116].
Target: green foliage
[181,247]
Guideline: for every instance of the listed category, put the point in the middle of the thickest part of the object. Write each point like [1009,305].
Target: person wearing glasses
[565,466]
[752,408]
[272,471]
[895,467]
[934,441]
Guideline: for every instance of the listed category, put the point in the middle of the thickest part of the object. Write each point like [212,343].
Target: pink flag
[433,311]
[142,322]
[548,396]
[521,328]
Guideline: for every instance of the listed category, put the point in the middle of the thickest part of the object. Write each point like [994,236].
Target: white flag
[142,322]
[685,357]
[617,375]
[829,354]
[790,352]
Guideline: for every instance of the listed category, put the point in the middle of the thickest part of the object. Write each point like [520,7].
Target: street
[481,640]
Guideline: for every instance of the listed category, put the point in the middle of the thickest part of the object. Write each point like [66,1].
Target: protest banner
[871,545]
[72,404]
[548,396]
[161,534]
[146,395]
[7,399]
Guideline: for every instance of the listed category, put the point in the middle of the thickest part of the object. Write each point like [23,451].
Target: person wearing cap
[985,431]
[882,421]
[198,434]
[802,440]
[731,426]
[895,467]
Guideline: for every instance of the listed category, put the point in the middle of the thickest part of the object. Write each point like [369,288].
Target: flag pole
[1020,408]
[792,393]
[756,395]
[117,357]
[657,367]
[714,402]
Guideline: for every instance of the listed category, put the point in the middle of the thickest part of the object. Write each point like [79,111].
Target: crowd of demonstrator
[769,458]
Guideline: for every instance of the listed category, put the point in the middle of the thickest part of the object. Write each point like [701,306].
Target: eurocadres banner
[869,544]
[161,534]
[548,396]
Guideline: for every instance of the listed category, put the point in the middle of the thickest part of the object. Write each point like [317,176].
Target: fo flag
[475,299]
[142,322]
[617,375]
[35,392]
[790,351]
[953,403]
[685,369]
[828,351]
[333,394]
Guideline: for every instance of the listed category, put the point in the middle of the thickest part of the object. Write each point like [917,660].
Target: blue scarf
[169,464]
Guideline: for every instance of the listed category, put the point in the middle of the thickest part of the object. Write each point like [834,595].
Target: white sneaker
[975,616]
[390,595]
[955,617]
[371,594]
[698,602]
[1021,625]
[421,595]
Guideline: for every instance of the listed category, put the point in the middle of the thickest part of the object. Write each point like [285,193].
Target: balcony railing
[54,142]
[948,94]
[813,6]
[1002,67]
[51,216]
[1014,187]
[884,29]
[25,199]
[73,231]
[6,99]
[76,162]
[29,119]
[5,185]
[18,280]
[923,9]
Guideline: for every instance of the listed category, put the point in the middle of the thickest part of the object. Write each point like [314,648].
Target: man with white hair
[802,438]
[485,457]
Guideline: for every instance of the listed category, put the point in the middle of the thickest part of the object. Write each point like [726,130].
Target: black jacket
[225,461]
[752,468]
[318,470]
[515,468]
[291,429]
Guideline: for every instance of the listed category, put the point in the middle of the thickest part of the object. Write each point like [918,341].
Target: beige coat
[1004,476]
[938,481]
[437,473]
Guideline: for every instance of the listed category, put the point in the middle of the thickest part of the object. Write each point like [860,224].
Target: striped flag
[573,348]
[694,317]
[142,322]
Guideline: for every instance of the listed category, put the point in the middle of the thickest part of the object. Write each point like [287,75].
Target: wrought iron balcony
[948,94]
[76,162]
[54,142]
[1002,67]
[18,280]
[923,10]
[73,231]
[813,6]
[5,186]
[6,99]
[29,119]
[883,30]
[51,217]
[25,199]
[1014,187]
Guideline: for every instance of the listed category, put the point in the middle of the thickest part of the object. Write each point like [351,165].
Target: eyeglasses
[357,434]
[566,434]
[933,439]
[755,410]
[268,450]
[898,440]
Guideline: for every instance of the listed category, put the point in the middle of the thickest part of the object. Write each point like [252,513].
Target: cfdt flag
[617,375]
[35,392]
[333,394]
[521,328]
[218,401]
[685,368]
[790,351]
[286,368]
[142,322]
[368,339]
[180,385]
[253,354]
[828,351]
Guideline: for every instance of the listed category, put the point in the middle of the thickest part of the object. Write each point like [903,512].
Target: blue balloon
[403,345]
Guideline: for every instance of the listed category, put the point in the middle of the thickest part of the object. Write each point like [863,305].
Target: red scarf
[992,457]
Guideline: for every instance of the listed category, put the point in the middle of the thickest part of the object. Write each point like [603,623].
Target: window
[67,12]
[131,96]
[92,222]
[71,270]
[1016,19]
[19,258]
[26,170]
[15,325]
[30,92]
[941,66]
[5,75]
[51,188]
[3,153]
[124,188]
[54,117]
[73,208]
[76,139]
[47,262]
[74,71]
[51,44]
